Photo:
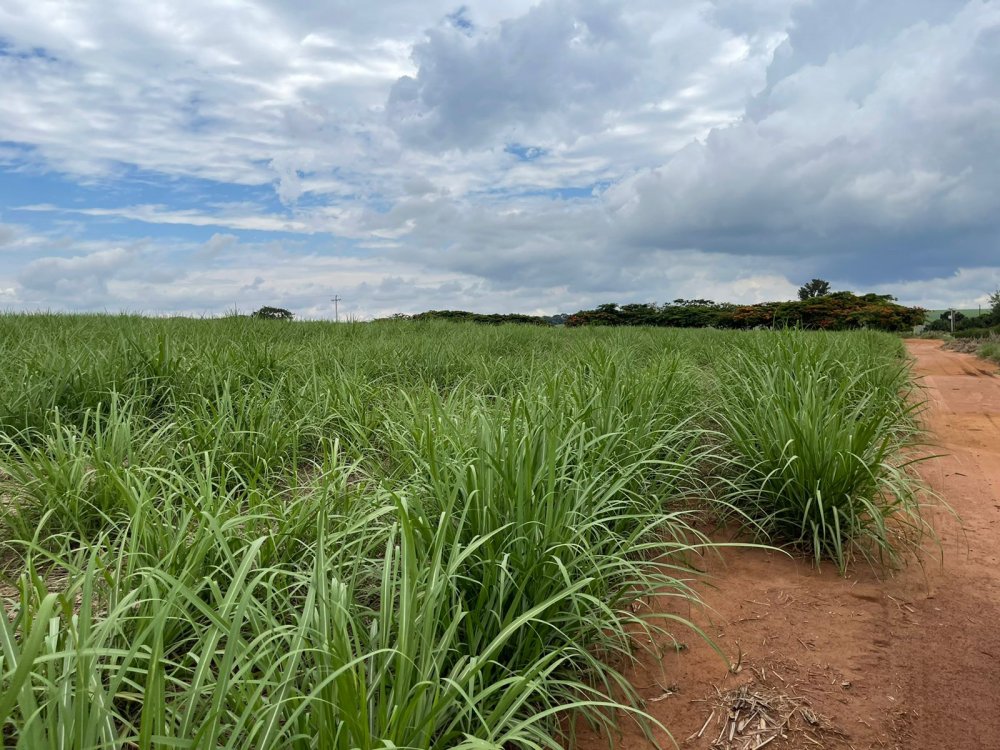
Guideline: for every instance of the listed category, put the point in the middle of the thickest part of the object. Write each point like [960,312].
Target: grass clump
[822,433]
[991,349]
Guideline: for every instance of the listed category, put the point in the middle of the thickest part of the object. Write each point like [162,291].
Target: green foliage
[230,534]
[822,440]
[970,321]
[814,288]
[832,312]
[976,333]
[333,536]
[462,316]
[995,305]
[272,313]
[991,349]
[966,326]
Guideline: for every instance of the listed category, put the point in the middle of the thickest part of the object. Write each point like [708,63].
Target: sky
[527,156]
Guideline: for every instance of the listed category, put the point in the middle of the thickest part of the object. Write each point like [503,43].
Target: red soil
[910,662]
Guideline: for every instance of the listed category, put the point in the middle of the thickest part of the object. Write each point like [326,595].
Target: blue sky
[532,156]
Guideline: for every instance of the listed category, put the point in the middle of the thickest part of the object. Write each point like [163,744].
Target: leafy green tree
[815,288]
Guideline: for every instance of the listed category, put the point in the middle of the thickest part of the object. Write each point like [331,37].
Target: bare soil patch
[908,663]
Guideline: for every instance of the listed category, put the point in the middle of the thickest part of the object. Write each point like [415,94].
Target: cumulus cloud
[557,60]
[569,69]
[76,277]
[289,179]
[87,277]
[879,155]
[199,88]
[537,155]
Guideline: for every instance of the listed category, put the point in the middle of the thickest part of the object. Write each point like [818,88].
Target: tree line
[833,311]
[817,308]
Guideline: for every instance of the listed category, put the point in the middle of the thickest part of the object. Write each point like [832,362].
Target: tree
[815,288]
[995,303]
[273,313]
[681,302]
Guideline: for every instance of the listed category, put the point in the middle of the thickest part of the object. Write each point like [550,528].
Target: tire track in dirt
[908,663]
[952,655]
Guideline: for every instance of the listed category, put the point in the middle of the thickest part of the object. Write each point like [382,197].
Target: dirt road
[912,662]
[951,656]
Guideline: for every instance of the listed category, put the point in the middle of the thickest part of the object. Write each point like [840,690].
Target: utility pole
[952,316]
[336,312]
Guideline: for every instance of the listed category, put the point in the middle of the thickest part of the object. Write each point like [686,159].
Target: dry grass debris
[751,717]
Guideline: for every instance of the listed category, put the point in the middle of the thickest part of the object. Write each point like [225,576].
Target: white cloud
[224,272]
[233,216]
[79,277]
[573,69]
[534,155]
[295,94]
[7,235]
[289,180]
[206,89]
[218,244]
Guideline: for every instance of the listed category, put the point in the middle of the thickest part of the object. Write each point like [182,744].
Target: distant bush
[273,313]
[471,317]
[990,351]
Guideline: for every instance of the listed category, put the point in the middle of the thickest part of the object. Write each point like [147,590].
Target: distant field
[969,313]
[244,533]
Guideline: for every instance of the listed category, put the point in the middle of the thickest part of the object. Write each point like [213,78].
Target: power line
[336,311]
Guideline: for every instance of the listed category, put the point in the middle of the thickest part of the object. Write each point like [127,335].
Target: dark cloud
[819,30]
[876,160]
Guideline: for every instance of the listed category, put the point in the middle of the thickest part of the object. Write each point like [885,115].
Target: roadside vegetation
[990,349]
[979,334]
[985,345]
[969,324]
[255,533]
